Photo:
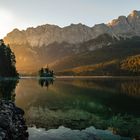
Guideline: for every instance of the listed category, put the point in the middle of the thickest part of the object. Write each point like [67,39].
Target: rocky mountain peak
[76,33]
[135,13]
[134,21]
[79,24]
[119,20]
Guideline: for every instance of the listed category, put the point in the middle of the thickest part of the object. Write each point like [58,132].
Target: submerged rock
[12,123]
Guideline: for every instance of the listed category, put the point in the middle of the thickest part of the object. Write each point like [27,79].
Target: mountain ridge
[50,44]
[76,33]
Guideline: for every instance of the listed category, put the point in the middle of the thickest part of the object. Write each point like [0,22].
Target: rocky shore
[12,123]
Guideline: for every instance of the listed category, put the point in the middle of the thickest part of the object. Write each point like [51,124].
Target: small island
[46,73]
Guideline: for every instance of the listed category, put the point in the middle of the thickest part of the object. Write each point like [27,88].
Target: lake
[78,103]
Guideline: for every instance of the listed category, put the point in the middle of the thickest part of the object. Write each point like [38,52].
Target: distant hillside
[129,66]
[110,58]
[63,56]
[30,60]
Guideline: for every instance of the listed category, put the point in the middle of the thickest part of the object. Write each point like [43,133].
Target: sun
[6,22]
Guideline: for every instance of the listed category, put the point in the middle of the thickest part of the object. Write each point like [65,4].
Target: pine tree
[41,72]
[7,61]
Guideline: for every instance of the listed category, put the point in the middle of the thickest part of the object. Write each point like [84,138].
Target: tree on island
[41,72]
[46,72]
[7,61]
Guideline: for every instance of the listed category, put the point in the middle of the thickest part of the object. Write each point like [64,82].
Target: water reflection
[127,86]
[12,123]
[79,103]
[7,89]
[131,87]
[45,82]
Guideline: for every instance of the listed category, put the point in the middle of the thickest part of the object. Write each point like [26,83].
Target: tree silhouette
[7,61]
[45,72]
[41,72]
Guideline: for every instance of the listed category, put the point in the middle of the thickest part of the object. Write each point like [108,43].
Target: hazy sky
[25,13]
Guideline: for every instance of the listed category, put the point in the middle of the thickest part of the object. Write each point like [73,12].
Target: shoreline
[99,77]
[82,77]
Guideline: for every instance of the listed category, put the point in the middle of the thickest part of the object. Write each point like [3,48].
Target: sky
[31,13]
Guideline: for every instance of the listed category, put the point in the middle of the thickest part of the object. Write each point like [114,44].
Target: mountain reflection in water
[79,103]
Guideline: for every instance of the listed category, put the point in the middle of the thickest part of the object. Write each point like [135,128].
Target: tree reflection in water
[45,82]
[7,89]
[14,126]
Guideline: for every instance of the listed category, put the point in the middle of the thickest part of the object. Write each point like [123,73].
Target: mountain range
[104,49]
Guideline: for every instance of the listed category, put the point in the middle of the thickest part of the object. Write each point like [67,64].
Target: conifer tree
[7,61]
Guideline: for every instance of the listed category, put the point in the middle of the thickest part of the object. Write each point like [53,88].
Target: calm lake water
[77,103]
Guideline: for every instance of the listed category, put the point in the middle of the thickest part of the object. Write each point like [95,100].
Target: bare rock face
[100,29]
[75,33]
[121,27]
[47,34]
[127,26]
[16,37]
[134,21]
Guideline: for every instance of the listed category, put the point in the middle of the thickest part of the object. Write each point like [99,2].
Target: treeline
[7,61]
[115,50]
[129,66]
[119,58]
[45,72]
